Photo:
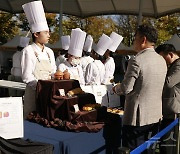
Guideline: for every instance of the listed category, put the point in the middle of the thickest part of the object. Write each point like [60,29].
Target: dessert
[58,75]
[89,107]
[75,91]
[66,75]
[115,110]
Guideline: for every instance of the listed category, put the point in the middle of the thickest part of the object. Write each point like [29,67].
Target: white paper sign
[62,92]
[76,107]
[11,117]
[100,93]
[87,89]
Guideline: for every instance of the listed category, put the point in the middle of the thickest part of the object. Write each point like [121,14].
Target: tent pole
[60,18]
[140,12]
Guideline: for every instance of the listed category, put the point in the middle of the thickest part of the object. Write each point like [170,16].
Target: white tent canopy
[175,40]
[123,47]
[85,8]
[12,43]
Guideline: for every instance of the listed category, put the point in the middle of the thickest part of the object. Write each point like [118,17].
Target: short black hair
[166,48]
[85,53]
[19,48]
[33,37]
[149,32]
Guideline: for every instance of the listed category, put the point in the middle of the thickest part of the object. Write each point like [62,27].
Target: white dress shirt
[109,70]
[28,60]
[16,60]
[75,71]
[95,72]
[84,62]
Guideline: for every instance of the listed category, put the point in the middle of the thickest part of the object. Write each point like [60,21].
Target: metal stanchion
[123,150]
[178,135]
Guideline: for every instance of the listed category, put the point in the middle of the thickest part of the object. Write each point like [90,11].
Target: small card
[62,92]
[76,107]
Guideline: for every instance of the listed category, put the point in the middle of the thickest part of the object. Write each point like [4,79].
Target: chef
[65,42]
[109,61]
[16,66]
[86,59]
[38,61]
[95,71]
[74,53]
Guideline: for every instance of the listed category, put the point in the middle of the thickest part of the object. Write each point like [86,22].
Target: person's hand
[33,84]
[113,89]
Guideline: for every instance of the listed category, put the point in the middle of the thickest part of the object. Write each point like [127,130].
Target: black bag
[20,146]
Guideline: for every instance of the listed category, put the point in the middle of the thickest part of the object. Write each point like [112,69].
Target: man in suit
[142,85]
[171,95]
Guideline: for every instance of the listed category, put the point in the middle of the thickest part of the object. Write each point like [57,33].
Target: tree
[166,27]
[8,28]
[94,26]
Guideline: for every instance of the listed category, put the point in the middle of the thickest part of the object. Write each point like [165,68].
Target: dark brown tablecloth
[51,105]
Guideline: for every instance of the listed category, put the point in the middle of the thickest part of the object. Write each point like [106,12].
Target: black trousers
[133,136]
[168,141]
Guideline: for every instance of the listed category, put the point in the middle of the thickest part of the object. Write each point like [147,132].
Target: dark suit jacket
[171,91]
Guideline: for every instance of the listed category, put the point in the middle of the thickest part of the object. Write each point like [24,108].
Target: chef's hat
[88,43]
[77,42]
[24,41]
[116,40]
[35,15]
[103,44]
[65,41]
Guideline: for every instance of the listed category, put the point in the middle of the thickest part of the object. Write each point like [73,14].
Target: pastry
[58,75]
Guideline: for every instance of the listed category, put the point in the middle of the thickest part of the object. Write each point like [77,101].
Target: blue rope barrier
[152,140]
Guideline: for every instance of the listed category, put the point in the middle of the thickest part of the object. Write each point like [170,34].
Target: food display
[58,75]
[66,75]
[115,110]
[75,91]
[89,107]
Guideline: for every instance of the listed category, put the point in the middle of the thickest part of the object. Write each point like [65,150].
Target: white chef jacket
[16,60]
[95,72]
[28,60]
[109,70]
[84,62]
[75,71]
[60,59]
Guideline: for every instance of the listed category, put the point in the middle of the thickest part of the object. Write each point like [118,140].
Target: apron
[42,72]
[73,75]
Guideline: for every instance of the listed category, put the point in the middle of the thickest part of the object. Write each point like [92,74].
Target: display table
[66,142]
[107,140]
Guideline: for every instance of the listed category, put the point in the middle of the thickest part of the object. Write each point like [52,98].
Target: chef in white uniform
[65,42]
[38,61]
[86,59]
[72,64]
[16,72]
[95,71]
[109,61]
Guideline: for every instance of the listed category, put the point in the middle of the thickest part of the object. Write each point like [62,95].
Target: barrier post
[123,150]
[178,135]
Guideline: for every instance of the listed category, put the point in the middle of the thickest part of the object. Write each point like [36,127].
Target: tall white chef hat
[77,42]
[103,44]
[65,41]
[35,15]
[24,41]
[116,40]
[88,43]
